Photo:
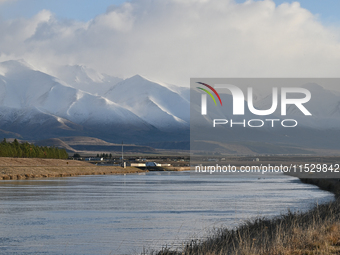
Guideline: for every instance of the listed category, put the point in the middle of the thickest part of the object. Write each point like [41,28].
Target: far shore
[31,168]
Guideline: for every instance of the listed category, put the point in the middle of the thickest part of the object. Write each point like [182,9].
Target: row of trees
[27,150]
[103,155]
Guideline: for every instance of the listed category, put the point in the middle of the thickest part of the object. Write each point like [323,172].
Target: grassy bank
[314,232]
[332,185]
[29,168]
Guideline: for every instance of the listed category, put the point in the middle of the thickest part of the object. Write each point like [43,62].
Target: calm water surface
[120,214]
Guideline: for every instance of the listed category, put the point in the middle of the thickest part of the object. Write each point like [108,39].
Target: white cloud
[173,40]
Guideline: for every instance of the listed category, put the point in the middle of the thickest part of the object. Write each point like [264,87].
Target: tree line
[103,155]
[27,150]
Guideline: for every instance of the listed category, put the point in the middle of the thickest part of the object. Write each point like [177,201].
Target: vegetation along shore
[28,168]
[316,231]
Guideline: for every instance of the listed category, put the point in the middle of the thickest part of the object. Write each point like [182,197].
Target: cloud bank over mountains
[173,40]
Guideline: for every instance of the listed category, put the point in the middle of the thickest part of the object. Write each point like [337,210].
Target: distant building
[138,164]
[164,164]
[148,164]
[94,159]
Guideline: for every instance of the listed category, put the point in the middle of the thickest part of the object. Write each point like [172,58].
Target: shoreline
[316,231]
[36,168]
[22,173]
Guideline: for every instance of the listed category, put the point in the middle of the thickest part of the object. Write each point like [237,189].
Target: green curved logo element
[209,94]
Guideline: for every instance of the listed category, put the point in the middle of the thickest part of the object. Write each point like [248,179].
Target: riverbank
[29,168]
[316,231]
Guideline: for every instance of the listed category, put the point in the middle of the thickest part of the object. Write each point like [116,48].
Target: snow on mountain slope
[81,107]
[30,122]
[23,88]
[86,79]
[184,92]
[324,103]
[324,106]
[153,102]
[83,102]
[20,86]
[136,101]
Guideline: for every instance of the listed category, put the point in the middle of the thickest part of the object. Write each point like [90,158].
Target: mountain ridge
[32,101]
[78,101]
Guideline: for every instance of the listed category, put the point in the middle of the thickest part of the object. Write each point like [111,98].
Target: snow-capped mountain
[324,106]
[86,79]
[154,103]
[78,101]
[23,88]
[31,100]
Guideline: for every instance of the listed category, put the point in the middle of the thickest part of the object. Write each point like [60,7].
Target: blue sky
[327,9]
[85,10]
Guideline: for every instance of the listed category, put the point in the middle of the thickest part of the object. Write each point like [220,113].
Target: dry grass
[332,185]
[314,232]
[29,168]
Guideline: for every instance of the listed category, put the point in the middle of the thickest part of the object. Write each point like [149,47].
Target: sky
[82,10]
[85,10]
[173,40]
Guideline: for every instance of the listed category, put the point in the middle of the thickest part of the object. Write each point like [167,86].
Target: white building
[94,159]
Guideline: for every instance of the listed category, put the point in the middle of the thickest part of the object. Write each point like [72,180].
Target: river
[124,214]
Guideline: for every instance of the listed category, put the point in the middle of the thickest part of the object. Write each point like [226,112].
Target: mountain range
[76,101]
[82,102]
